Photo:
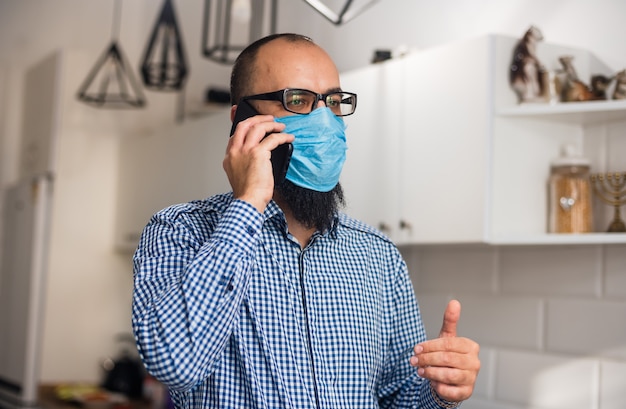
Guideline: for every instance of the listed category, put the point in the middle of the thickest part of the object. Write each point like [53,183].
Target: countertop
[48,399]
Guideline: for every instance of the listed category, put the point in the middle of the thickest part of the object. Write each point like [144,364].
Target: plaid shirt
[230,312]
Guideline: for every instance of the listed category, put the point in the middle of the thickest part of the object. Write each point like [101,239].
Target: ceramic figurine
[599,84]
[620,85]
[573,89]
[526,72]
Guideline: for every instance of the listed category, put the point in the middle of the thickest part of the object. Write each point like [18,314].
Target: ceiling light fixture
[230,25]
[345,13]
[110,83]
[164,65]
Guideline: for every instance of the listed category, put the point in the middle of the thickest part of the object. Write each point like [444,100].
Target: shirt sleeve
[401,386]
[189,282]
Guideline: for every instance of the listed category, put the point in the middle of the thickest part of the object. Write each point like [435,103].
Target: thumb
[450,319]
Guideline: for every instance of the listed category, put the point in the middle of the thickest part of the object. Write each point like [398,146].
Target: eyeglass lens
[302,101]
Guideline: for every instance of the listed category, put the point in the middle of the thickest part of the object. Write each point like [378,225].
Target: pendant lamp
[164,65]
[343,14]
[111,83]
[230,25]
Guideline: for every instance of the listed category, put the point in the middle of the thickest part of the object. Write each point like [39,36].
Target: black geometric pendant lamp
[111,83]
[164,64]
[230,25]
[343,14]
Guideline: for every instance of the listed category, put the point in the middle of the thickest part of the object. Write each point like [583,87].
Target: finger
[457,344]
[450,319]
[253,129]
[274,139]
[447,376]
[445,359]
[258,133]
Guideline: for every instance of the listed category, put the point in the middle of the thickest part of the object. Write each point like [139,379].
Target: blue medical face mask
[319,149]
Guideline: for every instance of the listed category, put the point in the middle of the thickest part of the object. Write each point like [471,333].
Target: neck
[301,233]
[298,230]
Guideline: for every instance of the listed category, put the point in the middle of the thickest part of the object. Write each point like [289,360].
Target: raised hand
[450,362]
[247,161]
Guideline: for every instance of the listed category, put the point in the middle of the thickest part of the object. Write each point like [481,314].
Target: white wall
[90,285]
[594,25]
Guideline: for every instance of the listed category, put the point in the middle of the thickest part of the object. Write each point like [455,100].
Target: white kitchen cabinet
[444,145]
[370,177]
[417,148]
[467,163]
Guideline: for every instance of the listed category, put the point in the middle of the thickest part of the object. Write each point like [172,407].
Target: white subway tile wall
[540,380]
[476,403]
[590,327]
[615,271]
[551,320]
[612,385]
[551,270]
[489,320]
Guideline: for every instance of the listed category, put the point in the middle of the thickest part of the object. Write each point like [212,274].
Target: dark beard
[311,208]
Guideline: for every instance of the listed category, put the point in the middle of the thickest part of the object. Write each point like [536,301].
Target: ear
[233,109]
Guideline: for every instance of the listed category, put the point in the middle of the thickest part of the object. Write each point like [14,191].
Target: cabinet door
[445,144]
[370,176]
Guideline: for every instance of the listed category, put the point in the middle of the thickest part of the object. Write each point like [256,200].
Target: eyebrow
[328,90]
[336,89]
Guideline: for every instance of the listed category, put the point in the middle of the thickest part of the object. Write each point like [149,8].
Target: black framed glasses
[302,101]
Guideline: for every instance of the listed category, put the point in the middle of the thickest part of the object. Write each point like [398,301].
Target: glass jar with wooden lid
[569,193]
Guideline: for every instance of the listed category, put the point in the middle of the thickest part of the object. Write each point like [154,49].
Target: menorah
[611,189]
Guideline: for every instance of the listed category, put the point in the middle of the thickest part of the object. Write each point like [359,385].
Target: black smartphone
[280,156]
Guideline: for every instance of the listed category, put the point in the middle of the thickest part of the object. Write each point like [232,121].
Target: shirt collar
[273,210]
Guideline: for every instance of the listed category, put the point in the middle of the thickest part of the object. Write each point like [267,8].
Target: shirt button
[251,231]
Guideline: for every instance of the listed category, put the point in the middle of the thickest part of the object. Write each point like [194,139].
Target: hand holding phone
[280,156]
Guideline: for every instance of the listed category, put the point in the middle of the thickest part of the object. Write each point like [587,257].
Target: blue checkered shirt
[230,312]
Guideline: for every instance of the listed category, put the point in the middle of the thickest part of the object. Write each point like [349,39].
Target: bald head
[281,61]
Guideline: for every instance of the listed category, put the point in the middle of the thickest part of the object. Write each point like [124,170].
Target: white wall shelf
[558,239]
[581,113]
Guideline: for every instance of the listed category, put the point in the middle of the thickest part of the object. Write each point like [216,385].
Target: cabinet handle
[384,227]
[405,225]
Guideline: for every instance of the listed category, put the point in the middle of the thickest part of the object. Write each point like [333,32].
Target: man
[268,297]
